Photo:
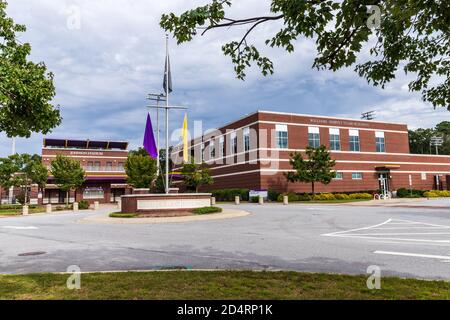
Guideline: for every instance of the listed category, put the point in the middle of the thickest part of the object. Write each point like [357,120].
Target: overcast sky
[107,59]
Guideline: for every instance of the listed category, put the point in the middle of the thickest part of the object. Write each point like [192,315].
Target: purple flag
[149,139]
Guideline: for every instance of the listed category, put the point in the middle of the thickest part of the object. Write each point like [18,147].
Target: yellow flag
[185,139]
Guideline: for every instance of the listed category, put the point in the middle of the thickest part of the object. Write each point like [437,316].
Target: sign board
[410,180]
[259,193]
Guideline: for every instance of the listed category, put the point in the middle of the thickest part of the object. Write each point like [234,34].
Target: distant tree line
[420,139]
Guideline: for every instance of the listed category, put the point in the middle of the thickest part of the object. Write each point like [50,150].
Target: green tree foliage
[23,170]
[26,88]
[420,139]
[318,168]
[141,169]
[411,34]
[196,175]
[68,174]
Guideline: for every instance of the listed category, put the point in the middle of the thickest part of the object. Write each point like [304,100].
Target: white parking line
[19,228]
[418,255]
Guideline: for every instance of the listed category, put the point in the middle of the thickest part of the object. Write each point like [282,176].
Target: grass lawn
[216,285]
[18,211]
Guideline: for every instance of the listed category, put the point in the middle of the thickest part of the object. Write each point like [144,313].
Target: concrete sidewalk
[422,203]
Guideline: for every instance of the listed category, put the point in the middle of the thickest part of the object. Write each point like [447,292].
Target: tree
[23,170]
[409,34]
[141,169]
[196,175]
[420,140]
[317,168]
[68,174]
[26,88]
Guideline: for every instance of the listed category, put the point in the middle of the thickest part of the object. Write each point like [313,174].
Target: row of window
[355,176]
[335,139]
[282,140]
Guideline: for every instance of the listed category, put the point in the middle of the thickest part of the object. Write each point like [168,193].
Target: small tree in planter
[318,168]
[68,174]
[141,169]
[196,175]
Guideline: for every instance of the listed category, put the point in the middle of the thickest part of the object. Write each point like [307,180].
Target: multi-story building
[103,163]
[254,151]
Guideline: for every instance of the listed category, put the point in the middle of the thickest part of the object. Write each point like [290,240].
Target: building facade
[253,152]
[103,163]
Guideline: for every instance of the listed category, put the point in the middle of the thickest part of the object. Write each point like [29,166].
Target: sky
[108,55]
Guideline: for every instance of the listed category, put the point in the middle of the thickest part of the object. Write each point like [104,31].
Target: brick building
[103,163]
[253,152]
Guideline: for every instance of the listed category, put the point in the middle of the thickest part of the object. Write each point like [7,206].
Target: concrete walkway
[105,219]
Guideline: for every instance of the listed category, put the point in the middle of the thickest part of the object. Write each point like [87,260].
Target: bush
[273,195]
[360,196]
[83,205]
[123,215]
[230,194]
[342,196]
[207,210]
[254,199]
[324,197]
[304,197]
[405,193]
[437,194]
[291,196]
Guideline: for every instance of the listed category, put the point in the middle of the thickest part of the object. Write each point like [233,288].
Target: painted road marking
[19,228]
[418,255]
[395,230]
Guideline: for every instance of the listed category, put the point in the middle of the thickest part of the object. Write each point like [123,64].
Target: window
[281,136]
[222,146]
[90,166]
[93,193]
[339,176]
[247,139]
[121,166]
[357,175]
[203,152]
[109,166]
[423,176]
[335,140]
[354,140]
[234,147]
[380,142]
[97,165]
[314,137]
[212,150]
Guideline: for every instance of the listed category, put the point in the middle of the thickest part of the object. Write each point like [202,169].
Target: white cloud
[104,70]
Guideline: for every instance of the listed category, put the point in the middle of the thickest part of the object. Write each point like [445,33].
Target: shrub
[207,210]
[431,194]
[123,215]
[403,193]
[83,205]
[291,196]
[230,194]
[273,195]
[324,197]
[304,197]
[342,196]
[360,196]
[254,199]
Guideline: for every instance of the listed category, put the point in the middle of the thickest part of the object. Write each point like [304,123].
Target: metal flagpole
[158,161]
[167,114]
[13,152]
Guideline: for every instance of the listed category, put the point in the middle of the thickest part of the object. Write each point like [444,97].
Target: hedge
[293,197]
[230,194]
[406,193]
[207,210]
[437,194]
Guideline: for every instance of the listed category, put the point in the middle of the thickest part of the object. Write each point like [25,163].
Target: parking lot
[402,241]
